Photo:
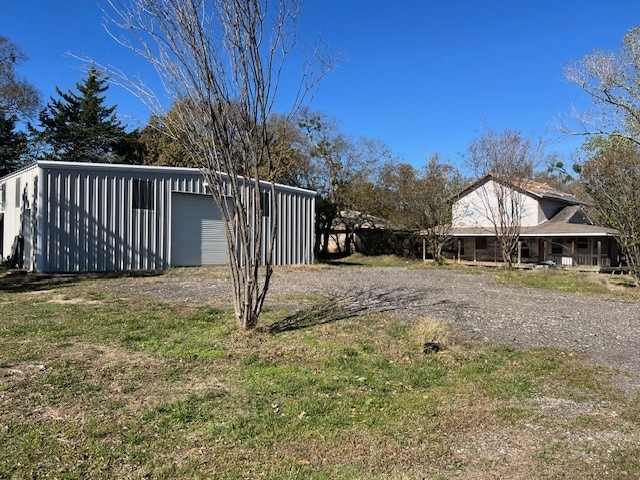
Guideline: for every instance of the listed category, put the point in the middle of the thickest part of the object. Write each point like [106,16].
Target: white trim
[539,235]
[586,234]
[20,171]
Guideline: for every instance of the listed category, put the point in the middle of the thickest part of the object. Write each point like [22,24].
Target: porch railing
[582,260]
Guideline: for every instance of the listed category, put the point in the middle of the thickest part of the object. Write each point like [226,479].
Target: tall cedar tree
[79,127]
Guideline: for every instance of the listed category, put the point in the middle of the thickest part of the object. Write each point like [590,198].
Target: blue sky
[423,76]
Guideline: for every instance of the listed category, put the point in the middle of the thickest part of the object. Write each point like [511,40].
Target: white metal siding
[92,223]
[19,212]
[81,216]
[197,231]
[27,236]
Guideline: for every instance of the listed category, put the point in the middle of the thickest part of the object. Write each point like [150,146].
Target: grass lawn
[574,282]
[94,384]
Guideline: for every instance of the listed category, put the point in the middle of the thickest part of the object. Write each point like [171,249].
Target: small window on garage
[142,194]
[3,195]
[265,203]
[18,192]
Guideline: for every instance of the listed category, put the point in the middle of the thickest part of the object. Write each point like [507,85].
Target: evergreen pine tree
[79,127]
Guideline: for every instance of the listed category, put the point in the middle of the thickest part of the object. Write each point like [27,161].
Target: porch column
[475,256]
[599,260]
[519,252]
[573,252]
[424,250]
[459,250]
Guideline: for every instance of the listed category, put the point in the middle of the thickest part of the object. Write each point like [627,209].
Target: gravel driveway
[604,329]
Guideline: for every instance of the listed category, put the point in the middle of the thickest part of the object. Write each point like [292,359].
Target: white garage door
[197,231]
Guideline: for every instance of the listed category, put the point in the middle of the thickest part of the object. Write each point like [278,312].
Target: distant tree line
[357,177]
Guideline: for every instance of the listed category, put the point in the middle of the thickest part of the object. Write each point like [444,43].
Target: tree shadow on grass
[17,281]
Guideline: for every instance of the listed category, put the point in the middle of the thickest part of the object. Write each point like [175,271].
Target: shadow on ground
[21,281]
[338,308]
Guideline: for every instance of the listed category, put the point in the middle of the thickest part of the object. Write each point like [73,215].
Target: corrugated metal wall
[90,221]
[19,212]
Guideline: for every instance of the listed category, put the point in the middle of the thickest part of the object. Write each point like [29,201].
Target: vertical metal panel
[86,220]
[289,226]
[40,204]
[278,247]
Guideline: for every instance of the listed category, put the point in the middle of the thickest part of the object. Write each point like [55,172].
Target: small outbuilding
[90,217]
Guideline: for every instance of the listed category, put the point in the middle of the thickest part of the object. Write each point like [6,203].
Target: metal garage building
[80,217]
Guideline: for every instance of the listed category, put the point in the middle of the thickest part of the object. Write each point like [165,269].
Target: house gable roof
[569,221]
[529,187]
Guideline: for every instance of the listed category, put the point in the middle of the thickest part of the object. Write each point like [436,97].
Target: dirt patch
[64,300]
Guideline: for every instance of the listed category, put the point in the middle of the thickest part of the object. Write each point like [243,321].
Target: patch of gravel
[604,329]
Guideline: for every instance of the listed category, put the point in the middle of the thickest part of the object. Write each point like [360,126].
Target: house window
[582,243]
[481,243]
[3,195]
[142,194]
[18,192]
[556,247]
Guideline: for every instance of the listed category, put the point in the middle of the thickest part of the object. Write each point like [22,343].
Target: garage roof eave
[149,169]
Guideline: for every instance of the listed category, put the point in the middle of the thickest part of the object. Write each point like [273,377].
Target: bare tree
[612,81]
[19,100]
[18,97]
[509,159]
[223,61]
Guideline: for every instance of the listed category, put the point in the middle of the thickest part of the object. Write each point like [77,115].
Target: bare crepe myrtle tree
[221,63]
[510,159]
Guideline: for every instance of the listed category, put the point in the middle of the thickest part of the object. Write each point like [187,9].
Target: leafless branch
[220,63]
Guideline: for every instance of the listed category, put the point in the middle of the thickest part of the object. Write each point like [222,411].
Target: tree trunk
[348,239]
[435,246]
[220,63]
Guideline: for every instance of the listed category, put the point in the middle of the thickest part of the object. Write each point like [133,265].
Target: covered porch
[594,252]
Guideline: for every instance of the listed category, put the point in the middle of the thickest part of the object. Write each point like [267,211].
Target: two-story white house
[552,225]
